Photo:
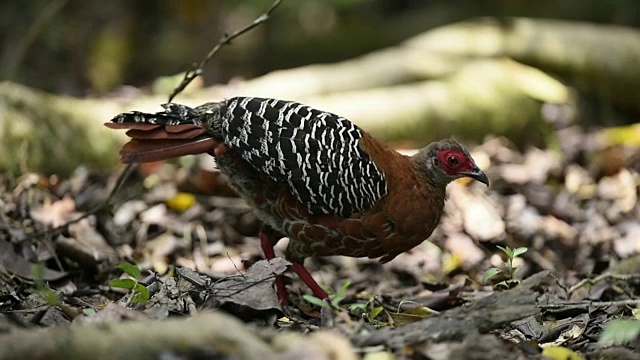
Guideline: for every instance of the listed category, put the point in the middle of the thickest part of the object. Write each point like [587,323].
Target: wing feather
[316,153]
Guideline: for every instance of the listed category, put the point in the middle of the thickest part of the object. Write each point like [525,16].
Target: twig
[234,265]
[588,303]
[376,299]
[197,69]
[598,279]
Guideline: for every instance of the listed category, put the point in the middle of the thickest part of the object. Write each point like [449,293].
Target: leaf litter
[196,248]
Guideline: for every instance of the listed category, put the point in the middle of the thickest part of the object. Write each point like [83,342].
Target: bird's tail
[173,133]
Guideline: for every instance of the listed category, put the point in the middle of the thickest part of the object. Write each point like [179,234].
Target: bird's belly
[256,189]
[370,234]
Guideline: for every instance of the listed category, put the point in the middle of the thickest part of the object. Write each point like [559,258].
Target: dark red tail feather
[131,125]
[137,151]
[167,132]
[151,142]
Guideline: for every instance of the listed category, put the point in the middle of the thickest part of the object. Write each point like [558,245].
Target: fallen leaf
[560,353]
[253,289]
[15,264]
[181,201]
[57,213]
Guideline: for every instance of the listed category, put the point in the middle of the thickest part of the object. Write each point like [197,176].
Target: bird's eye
[453,161]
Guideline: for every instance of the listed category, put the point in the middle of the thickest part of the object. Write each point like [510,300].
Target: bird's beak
[478,174]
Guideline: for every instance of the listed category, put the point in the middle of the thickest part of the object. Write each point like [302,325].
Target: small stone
[482,220]
[621,189]
[535,169]
[465,249]
[629,243]
[578,181]
[154,215]
[554,228]
[128,211]
[596,230]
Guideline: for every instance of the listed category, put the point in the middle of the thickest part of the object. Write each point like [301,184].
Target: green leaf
[519,251]
[507,250]
[336,300]
[375,312]
[620,332]
[142,294]
[38,270]
[50,296]
[131,269]
[123,283]
[358,306]
[490,273]
[88,311]
[315,301]
[343,289]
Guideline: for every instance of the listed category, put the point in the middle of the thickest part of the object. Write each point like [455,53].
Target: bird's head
[446,160]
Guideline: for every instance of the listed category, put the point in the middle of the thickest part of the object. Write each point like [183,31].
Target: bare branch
[197,69]
[194,72]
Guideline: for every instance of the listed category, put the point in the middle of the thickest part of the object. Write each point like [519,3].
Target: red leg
[308,279]
[269,253]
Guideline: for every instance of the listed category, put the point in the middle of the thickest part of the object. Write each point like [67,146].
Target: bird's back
[317,154]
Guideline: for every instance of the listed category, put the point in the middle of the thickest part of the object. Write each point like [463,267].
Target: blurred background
[408,71]
[81,48]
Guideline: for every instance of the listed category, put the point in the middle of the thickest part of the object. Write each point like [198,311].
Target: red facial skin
[455,161]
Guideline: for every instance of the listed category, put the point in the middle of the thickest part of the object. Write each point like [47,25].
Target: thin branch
[562,305]
[599,278]
[234,265]
[197,69]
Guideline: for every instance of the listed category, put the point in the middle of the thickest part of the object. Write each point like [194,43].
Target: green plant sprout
[508,270]
[622,331]
[140,294]
[368,312]
[42,287]
[334,299]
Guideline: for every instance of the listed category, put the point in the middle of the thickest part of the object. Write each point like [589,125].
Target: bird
[309,175]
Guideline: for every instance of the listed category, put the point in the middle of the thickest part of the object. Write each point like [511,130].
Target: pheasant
[309,175]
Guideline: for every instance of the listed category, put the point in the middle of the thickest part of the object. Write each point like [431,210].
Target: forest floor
[194,248]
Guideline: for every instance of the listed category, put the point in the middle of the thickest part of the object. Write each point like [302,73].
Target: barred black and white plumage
[318,154]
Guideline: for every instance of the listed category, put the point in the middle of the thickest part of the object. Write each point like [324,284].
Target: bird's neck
[425,173]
